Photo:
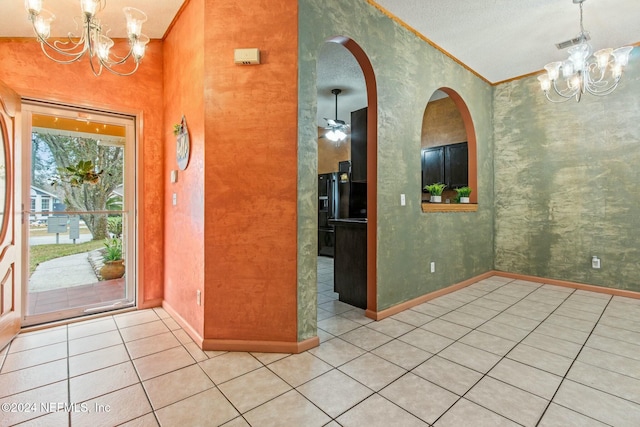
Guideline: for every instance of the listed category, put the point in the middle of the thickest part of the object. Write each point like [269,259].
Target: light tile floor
[497,353]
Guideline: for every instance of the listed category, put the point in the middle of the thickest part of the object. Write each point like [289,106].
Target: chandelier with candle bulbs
[93,40]
[597,74]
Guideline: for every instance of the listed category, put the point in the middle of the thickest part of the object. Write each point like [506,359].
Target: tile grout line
[485,374]
[432,354]
[596,366]
[570,366]
[242,414]
[454,341]
[336,368]
[460,397]
[66,327]
[144,390]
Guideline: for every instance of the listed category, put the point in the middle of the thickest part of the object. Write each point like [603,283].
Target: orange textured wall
[25,68]
[442,124]
[185,222]
[251,172]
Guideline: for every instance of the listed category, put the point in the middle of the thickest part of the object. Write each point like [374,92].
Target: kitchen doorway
[79,223]
[361,88]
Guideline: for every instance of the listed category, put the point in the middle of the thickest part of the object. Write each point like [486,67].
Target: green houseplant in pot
[463,194]
[435,190]
[113,262]
[84,172]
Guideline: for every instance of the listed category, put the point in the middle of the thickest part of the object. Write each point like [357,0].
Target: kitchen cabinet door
[432,166]
[359,145]
[448,164]
[457,165]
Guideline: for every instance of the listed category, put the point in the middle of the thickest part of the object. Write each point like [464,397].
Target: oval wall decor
[182,144]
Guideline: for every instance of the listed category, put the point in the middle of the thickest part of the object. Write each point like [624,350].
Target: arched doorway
[371,150]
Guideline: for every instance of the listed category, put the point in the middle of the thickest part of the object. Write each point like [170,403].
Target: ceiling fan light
[336,127]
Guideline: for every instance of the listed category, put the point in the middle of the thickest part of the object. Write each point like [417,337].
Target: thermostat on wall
[246,56]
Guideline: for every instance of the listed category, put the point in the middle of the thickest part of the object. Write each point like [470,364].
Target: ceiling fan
[337,129]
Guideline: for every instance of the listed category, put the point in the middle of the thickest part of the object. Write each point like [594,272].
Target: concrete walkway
[63,272]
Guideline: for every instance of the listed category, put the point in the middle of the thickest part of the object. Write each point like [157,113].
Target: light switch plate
[174,199]
[174,176]
[403,200]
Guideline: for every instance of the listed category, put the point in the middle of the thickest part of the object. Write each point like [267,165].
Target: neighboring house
[42,203]
[118,191]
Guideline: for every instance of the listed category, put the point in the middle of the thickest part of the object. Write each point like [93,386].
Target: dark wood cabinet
[432,165]
[359,145]
[350,262]
[448,164]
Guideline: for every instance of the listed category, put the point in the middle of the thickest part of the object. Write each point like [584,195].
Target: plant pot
[464,200]
[436,199]
[112,270]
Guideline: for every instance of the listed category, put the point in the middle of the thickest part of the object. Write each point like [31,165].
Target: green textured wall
[408,71]
[567,183]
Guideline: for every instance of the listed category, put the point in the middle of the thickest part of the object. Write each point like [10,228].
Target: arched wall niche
[469,135]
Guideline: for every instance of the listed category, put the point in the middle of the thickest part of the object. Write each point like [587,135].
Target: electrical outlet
[595,262]
[174,199]
[403,200]
[199,297]
[433,267]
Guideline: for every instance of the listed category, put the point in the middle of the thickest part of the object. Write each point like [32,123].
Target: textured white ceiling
[504,39]
[338,69]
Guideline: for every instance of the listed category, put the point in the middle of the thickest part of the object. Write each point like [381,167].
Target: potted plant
[113,263]
[84,172]
[463,194]
[436,192]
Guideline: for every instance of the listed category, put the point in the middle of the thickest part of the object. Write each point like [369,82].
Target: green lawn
[42,253]
[42,231]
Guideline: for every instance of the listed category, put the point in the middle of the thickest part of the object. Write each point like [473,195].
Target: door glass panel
[3,179]
[79,262]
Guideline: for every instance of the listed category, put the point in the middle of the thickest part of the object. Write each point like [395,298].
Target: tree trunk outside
[97,225]
[66,151]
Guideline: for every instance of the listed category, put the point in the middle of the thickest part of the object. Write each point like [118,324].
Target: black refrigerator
[327,210]
[333,203]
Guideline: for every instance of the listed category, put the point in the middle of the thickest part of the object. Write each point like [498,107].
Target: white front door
[80,228]
[10,216]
